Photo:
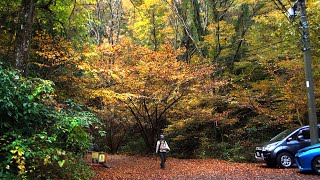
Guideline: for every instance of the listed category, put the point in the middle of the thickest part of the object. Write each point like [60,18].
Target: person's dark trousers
[163,156]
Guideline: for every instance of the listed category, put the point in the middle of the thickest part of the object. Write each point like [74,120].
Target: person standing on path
[162,148]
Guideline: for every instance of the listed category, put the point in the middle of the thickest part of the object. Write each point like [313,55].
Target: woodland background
[217,77]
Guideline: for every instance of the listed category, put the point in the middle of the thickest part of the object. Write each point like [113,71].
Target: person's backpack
[163,145]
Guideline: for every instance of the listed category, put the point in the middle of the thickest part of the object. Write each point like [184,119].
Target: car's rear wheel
[284,160]
[316,165]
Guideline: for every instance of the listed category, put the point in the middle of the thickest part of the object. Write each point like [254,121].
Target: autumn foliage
[216,77]
[141,82]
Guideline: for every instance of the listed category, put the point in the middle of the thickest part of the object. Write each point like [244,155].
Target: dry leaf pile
[141,167]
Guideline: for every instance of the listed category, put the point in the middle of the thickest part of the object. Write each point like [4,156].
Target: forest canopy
[216,77]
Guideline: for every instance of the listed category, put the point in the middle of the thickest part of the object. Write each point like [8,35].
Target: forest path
[142,167]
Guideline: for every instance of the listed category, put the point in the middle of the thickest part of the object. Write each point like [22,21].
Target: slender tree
[24,34]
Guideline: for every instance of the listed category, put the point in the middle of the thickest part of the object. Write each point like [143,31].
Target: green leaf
[30,97]
[61,163]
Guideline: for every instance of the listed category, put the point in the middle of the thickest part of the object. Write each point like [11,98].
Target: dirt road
[137,167]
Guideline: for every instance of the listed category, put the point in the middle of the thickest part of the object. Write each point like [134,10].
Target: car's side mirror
[289,139]
[300,137]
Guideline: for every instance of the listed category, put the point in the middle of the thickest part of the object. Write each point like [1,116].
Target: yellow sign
[102,158]
[95,155]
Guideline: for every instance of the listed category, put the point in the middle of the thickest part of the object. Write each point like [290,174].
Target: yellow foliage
[19,159]
[47,160]
[152,15]
[53,52]
[225,33]
[179,138]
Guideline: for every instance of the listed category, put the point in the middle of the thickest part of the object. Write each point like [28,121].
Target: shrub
[134,145]
[223,150]
[39,137]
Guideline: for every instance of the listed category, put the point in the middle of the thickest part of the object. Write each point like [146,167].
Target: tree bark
[154,31]
[24,35]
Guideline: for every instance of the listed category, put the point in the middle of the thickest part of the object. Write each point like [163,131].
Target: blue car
[281,149]
[308,158]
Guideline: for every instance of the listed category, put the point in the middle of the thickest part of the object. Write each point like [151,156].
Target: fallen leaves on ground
[141,167]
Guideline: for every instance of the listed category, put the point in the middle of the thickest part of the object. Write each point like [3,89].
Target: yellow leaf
[20,153]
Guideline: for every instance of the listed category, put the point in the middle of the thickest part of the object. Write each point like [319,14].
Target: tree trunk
[154,31]
[24,35]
